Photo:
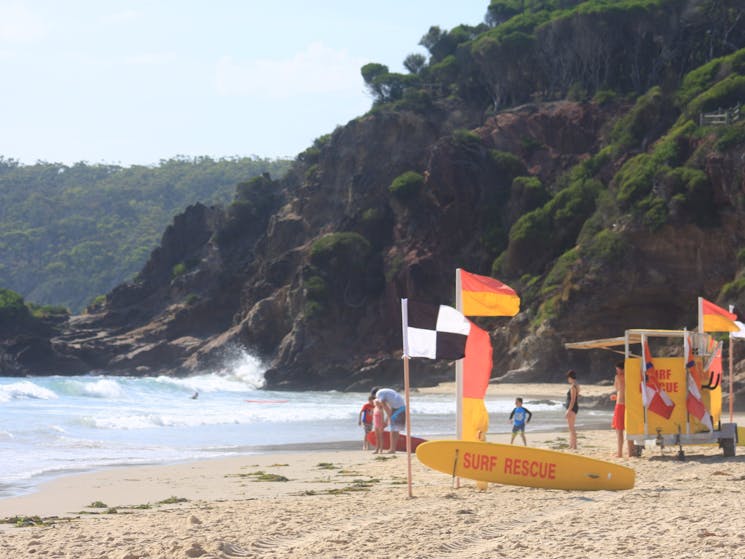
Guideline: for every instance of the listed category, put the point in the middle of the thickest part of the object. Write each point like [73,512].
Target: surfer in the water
[395,410]
[195,396]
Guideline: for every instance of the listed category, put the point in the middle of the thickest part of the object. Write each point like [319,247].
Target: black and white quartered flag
[433,331]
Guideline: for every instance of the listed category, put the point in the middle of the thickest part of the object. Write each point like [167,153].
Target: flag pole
[458,372]
[407,415]
[458,367]
[687,341]
[700,315]
[731,377]
[645,397]
[408,424]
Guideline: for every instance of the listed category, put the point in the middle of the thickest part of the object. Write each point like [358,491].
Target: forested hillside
[541,50]
[561,146]
[71,233]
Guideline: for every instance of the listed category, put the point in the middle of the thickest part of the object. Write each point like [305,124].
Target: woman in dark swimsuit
[572,406]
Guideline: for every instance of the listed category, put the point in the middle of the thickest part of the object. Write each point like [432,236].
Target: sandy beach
[341,502]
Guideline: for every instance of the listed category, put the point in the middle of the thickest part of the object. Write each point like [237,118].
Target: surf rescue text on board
[513,466]
[663,377]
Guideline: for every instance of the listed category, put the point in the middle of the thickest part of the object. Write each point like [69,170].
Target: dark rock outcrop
[307,273]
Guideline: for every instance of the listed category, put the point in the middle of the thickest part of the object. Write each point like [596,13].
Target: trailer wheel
[728,446]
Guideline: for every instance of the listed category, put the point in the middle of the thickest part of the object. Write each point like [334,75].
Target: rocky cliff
[311,283]
[607,213]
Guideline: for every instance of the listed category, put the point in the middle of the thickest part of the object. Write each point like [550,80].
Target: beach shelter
[672,400]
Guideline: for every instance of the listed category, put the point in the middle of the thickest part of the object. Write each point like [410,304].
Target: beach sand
[338,503]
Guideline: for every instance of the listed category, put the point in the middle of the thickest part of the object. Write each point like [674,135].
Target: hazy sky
[136,81]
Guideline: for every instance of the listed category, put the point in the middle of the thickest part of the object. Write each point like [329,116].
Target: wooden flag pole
[731,377]
[458,372]
[700,315]
[407,415]
[408,423]
[731,384]
[645,402]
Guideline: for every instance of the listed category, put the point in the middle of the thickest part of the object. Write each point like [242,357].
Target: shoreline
[311,504]
[540,392]
[67,493]
[335,500]
[130,486]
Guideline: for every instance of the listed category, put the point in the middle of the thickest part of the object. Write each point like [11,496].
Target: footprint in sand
[233,550]
[196,550]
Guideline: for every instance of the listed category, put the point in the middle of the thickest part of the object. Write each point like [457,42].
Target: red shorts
[618,417]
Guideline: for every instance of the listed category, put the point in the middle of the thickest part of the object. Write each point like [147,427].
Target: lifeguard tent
[671,400]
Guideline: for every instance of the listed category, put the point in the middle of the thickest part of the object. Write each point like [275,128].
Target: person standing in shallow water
[572,407]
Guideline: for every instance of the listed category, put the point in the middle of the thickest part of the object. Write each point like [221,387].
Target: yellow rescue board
[520,465]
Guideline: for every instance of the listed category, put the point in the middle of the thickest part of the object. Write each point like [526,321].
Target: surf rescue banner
[485,296]
[670,374]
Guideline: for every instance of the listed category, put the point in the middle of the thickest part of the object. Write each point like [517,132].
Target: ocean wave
[25,390]
[101,388]
[94,386]
[244,368]
[208,383]
[242,413]
[241,372]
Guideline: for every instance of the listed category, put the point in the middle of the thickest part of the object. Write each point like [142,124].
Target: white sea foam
[240,373]
[25,390]
[103,388]
[57,424]
[244,367]
[136,421]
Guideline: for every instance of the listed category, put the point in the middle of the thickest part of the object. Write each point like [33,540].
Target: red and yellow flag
[716,319]
[485,296]
[477,367]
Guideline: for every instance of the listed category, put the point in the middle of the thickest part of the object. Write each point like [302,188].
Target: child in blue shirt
[519,417]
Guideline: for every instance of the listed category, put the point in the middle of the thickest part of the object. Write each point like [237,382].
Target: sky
[138,81]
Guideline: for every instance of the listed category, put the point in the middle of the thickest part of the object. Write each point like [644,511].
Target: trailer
[687,385]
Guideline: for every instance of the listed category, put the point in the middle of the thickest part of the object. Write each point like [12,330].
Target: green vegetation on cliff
[559,49]
[70,233]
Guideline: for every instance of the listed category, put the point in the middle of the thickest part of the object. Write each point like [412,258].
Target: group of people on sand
[619,410]
[386,407]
